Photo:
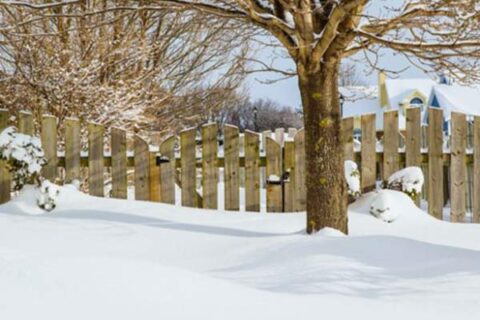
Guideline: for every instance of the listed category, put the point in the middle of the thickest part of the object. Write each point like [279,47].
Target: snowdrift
[94,258]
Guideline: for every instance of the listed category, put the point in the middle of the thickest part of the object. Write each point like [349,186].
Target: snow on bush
[352,176]
[49,192]
[409,180]
[382,206]
[24,156]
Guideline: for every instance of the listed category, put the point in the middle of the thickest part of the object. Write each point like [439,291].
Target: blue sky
[286,91]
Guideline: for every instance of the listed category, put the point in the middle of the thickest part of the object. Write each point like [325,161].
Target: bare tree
[318,34]
[118,67]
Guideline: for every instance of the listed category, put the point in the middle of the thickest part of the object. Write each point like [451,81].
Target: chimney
[382,90]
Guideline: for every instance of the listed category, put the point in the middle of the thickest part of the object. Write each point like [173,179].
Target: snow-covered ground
[97,258]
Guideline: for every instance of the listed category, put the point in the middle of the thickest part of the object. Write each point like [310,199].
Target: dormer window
[416,102]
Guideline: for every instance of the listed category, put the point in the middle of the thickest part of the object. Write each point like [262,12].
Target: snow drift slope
[103,259]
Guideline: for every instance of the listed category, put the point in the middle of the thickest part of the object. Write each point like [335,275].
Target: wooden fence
[263,159]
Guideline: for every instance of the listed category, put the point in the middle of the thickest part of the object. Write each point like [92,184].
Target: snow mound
[409,180]
[384,207]
[352,176]
[330,232]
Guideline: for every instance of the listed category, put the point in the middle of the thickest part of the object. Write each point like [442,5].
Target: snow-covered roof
[456,98]
[399,89]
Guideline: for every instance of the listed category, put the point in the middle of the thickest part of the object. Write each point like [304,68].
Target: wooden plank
[5,179]
[368,165]
[274,175]
[154,177]
[299,172]
[167,170]
[96,179]
[347,138]
[458,172]
[142,171]
[252,171]
[390,143]
[289,168]
[209,166]
[188,178]
[435,163]
[72,149]
[413,140]
[232,168]
[119,163]
[476,171]
[25,123]
[280,136]
[49,145]
[265,134]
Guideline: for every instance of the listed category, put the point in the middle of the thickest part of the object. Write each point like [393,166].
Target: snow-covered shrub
[24,156]
[352,176]
[47,199]
[382,207]
[409,180]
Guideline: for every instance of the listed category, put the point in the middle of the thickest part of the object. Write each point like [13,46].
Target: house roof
[399,89]
[455,98]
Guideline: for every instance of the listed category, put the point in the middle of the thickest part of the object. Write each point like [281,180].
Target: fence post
[119,163]
[96,182]
[476,170]
[209,166]
[435,162]
[347,138]
[252,171]
[458,167]
[5,179]
[154,177]
[72,149]
[188,165]
[274,176]
[280,136]
[299,172]
[368,165]
[167,170]
[25,123]
[390,143]
[232,168]
[49,145]
[142,161]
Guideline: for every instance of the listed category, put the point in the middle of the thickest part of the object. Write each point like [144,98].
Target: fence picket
[209,166]
[232,168]
[167,170]
[347,138]
[435,162]
[368,166]
[413,156]
[280,136]
[5,179]
[274,176]
[154,178]
[96,179]
[289,167]
[142,170]
[476,171]
[252,171]
[390,143]
[49,145]
[299,172]
[119,163]
[72,149]
[458,167]
[25,123]
[188,166]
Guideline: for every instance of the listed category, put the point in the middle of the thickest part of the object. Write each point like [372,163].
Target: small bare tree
[318,35]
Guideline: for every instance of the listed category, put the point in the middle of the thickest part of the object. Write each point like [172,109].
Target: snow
[94,258]
[455,98]
[383,207]
[352,177]
[410,180]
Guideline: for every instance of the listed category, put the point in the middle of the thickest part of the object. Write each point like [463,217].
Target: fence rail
[252,160]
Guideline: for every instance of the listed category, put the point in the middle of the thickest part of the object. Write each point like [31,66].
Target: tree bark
[325,181]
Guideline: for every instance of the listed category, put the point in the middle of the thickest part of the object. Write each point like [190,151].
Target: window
[417,102]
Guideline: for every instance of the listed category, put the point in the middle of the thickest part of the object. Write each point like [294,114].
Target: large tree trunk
[326,188]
